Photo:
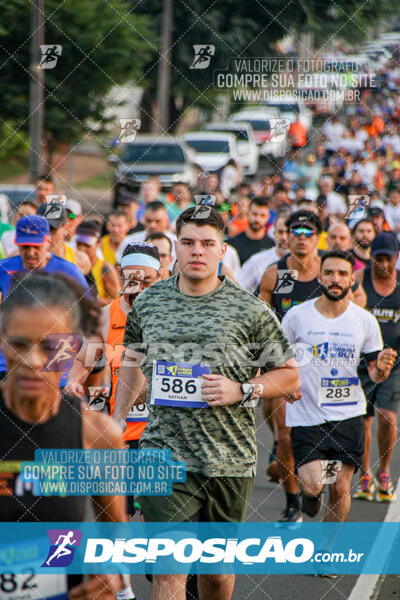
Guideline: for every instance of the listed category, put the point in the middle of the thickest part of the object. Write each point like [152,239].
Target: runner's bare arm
[379,369]
[267,284]
[360,275]
[82,262]
[111,280]
[100,432]
[218,390]
[359,296]
[84,362]
[81,369]
[130,385]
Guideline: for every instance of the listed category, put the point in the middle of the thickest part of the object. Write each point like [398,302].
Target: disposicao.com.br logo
[210,551]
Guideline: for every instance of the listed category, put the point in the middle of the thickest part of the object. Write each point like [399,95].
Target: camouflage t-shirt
[233,332]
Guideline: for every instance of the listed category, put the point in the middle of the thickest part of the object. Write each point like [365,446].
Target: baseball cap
[304,218]
[88,233]
[54,214]
[375,210]
[385,243]
[74,207]
[31,230]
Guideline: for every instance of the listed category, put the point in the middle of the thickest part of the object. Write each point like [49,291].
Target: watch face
[247,388]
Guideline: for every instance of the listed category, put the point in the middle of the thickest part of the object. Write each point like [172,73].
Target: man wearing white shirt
[155,220]
[392,212]
[327,425]
[334,131]
[335,202]
[250,275]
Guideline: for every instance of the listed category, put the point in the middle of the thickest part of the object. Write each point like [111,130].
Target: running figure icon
[65,351]
[62,542]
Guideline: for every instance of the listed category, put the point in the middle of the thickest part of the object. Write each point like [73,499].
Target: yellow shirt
[323,241]
[108,252]
[69,254]
[96,272]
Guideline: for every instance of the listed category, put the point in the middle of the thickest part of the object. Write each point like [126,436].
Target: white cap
[74,206]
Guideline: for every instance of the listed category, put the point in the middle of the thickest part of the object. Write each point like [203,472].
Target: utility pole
[164,69]
[36,87]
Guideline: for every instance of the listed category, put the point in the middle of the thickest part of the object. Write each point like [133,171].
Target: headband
[137,259]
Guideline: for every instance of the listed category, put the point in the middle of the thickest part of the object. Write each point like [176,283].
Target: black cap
[376,210]
[385,243]
[304,218]
[55,214]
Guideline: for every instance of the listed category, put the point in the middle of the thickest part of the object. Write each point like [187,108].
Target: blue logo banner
[243,548]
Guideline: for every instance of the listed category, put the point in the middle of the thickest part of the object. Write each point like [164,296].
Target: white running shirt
[328,352]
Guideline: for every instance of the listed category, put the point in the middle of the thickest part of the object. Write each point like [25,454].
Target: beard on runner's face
[364,244]
[335,297]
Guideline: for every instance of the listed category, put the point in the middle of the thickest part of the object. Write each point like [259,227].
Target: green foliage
[246,29]
[103,44]
[13,142]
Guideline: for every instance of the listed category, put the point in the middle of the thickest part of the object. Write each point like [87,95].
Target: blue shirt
[12,265]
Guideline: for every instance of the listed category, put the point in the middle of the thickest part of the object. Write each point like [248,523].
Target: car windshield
[15,197]
[152,153]
[240,134]
[259,124]
[286,107]
[209,146]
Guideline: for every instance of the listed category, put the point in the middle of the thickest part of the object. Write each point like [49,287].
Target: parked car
[289,108]
[260,120]
[167,157]
[213,149]
[246,142]
[12,195]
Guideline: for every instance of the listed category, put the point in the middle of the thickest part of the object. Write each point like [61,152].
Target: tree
[103,45]
[244,29]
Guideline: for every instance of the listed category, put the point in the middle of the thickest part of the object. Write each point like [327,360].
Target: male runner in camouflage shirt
[197,317]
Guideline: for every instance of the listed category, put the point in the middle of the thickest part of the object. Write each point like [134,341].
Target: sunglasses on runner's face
[71,215]
[298,231]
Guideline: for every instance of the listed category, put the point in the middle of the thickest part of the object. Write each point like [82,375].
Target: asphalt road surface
[266,504]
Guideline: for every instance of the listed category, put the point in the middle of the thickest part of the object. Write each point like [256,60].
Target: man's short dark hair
[363,220]
[155,205]
[306,216]
[117,213]
[29,202]
[213,219]
[90,227]
[260,201]
[45,177]
[338,254]
[158,235]
[141,248]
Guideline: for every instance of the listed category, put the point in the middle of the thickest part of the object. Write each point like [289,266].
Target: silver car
[167,157]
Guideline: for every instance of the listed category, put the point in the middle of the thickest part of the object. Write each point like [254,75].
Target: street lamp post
[36,88]
[164,69]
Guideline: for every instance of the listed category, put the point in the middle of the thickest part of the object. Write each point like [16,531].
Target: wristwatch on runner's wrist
[247,390]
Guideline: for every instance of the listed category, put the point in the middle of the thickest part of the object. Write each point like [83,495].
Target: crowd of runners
[282,296]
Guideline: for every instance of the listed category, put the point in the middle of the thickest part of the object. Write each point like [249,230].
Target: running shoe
[385,487]
[292,514]
[311,504]
[365,488]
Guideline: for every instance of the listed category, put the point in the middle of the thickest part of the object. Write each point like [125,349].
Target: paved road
[266,505]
